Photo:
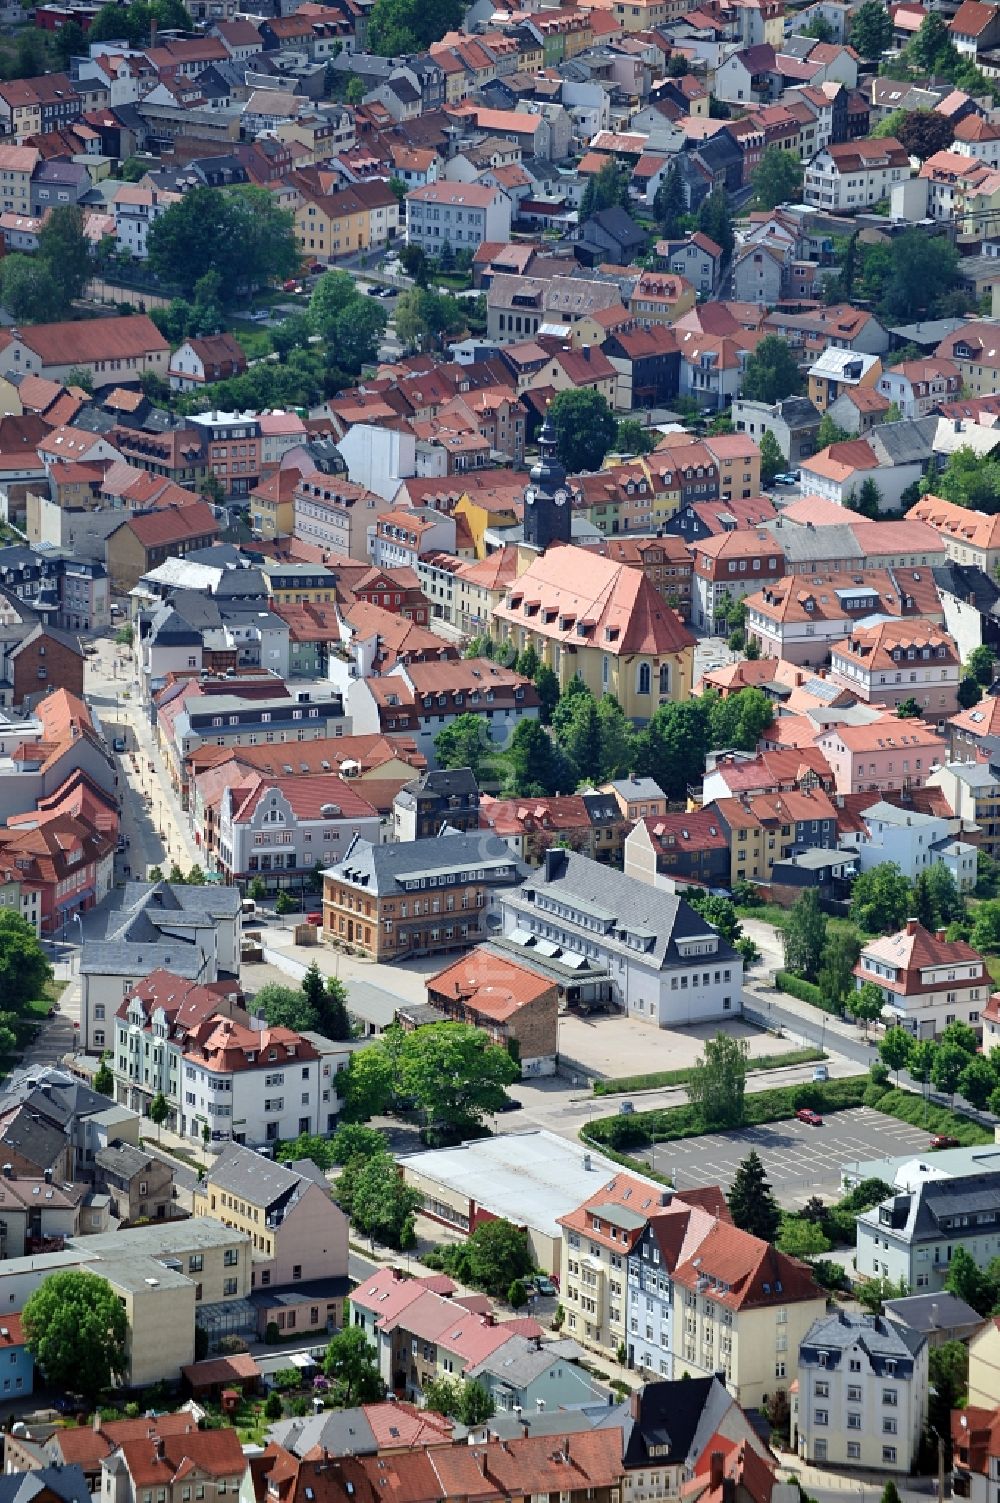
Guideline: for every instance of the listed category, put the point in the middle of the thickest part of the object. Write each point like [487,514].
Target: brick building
[145,541]
[516,1006]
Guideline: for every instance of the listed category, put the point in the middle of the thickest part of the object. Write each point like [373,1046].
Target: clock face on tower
[561,497]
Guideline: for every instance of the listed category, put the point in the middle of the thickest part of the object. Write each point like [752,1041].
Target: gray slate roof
[262,1182]
[383,869]
[65,1482]
[882,1341]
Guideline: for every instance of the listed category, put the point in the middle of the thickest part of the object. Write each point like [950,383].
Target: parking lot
[799,1160]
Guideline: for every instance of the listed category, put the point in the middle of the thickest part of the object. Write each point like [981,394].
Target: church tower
[548,510]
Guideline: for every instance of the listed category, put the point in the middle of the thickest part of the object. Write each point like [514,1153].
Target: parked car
[942,1140]
[509,1104]
[315,918]
[625,1108]
[119,744]
[820,1072]
[807,1115]
[542,1284]
[787,477]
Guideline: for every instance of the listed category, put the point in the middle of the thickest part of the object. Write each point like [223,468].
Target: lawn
[993,966]
[660,1078]
[254,341]
[770,913]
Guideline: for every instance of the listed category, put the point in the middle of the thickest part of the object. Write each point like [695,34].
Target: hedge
[639,1129]
[795,986]
[909,1107]
[660,1078]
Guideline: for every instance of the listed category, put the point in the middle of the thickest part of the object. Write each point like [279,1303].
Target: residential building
[336,515]
[837,371]
[216,357]
[984,1366]
[855,175]
[970,537]
[172,1464]
[926,980]
[917,387]
[515,1006]
[730,566]
[110,350]
[666,964]
[706,1298]
[900,660]
[297,1233]
[139,1186]
[915,841]
[912,1235]
[685,849]
[972,790]
[443,797]
[803,616]
[142,542]
[862,1393]
[461,215]
[766,828]
[377,897]
[591,823]
[874,756]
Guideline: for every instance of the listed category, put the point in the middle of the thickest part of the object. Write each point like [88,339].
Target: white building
[855,174]
[927,981]
[666,963]
[915,842]
[863,1390]
[461,215]
[136,210]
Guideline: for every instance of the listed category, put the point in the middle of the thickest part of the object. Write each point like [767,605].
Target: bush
[660,1079]
[829,1275]
[806,991]
[271,1333]
[761,1106]
[908,1107]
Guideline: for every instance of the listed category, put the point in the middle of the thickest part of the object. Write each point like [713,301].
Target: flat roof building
[529,1178]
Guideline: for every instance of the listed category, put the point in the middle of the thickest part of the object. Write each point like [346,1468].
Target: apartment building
[461,215]
[804,615]
[900,660]
[729,567]
[276,829]
[914,841]
[766,828]
[876,756]
[705,1297]
[297,1233]
[927,980]
[176,1467]
[862,1393]
[336,515]
[912,1235]
[856,174]
[970,537]
[973,792]
[598,1237]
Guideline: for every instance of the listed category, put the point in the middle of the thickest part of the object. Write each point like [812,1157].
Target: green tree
[69,42]
[771,372]
[64,251]
[867,499]
[547,689]
[871,29]
[27,291]
[865,1005]
[285,903]
[352,1368]
[880,899]
[476,1405]
[382,1204]
[585,427]
[719,912]
[29,55]
[895,1048]
[443,1396]
[310,1146]
[965,1280]
[717,1088]
[76,1329]
[772,461]
[820,28]
[948,1371]
[618,743]
[538,765]
[582,740]
[968,479]
[401,26]
[969,692]
[777,179]
[606,189]
[456,1075]
[921,1061]
[104,1081]
[980,664]
[24,970]
[672,747]
[669,205]
[632,438]
[334,1017]
[751,1200]
[922,269]
[273,1407]
[517,1294]
[423,318]
[716,221]
[908,709]
[804,937]
[256,890]
[802,1239]
[931,43]
[977,1082]
[242,233]
[950,1061]
[359,332]
[835,977]
[355,91]
[830,432]
[159,1111]
[285,1007]
[463,743]
[497,1252]
[872,1294]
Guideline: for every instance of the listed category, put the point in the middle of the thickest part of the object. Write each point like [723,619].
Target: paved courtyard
[799,1160]
[614,1045]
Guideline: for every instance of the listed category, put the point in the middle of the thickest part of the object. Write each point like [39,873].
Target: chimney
[159,1447]
[941,934]
[912,925]
[48,1176]
[716,1470]
[98,1421]
[635,1404]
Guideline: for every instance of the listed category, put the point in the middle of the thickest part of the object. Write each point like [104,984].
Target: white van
[249,908]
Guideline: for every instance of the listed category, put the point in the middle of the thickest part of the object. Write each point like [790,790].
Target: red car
[943,1141]
[807,1115]
[315,918]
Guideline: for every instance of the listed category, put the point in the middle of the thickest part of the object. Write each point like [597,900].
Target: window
[229,1286]
[231,1258]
